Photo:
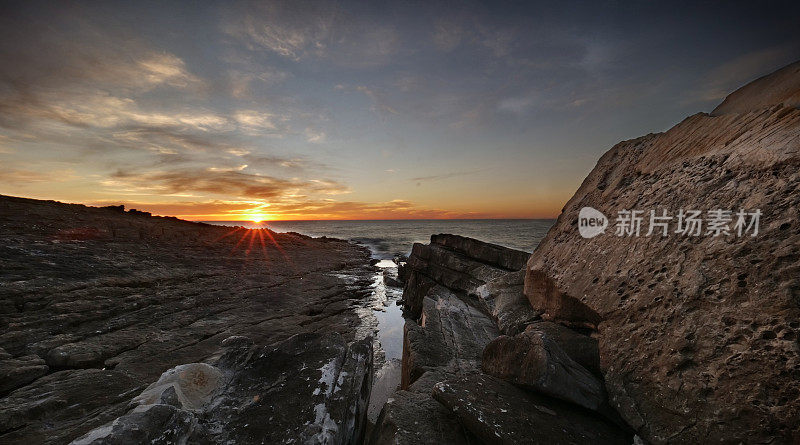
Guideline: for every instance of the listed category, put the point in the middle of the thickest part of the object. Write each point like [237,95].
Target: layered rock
[19,371]
[698,335]
[462,265]
[310,388]
[98,303]
[444,334]
[458,292]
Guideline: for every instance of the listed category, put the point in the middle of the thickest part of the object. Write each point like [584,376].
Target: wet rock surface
[698,335]
[451,335]
[95,304]
[310,388]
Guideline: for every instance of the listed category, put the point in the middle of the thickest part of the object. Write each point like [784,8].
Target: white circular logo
[591,222]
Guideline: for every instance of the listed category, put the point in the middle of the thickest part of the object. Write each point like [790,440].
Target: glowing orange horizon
[265,213]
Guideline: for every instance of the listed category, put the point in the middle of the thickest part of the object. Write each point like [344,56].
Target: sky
[356,110]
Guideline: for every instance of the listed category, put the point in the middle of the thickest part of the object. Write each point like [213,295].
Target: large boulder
[781,87]
[698,335]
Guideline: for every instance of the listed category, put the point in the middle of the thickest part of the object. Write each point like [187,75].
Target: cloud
[289,29]
[304,29]
[164,69]
[314,136]
[255,122]
[241,79]
[63,51]
[20,176]
[221,181]
[443,176]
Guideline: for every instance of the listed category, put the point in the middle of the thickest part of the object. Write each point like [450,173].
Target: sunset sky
[355,110]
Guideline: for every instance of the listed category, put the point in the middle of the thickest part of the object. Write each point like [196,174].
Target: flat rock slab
[456,262]
[44,411]
[497,412]
[310,388]
[509,259]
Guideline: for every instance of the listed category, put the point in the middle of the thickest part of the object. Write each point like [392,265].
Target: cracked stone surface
[95,304]
[311,388]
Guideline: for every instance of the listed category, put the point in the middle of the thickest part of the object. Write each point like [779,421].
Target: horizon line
[361,220]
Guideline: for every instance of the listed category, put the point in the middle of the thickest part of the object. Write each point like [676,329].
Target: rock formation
[310,388]
[95,304]
[119,327]
[533,360]
[496,411]
[461,295]
[698,335]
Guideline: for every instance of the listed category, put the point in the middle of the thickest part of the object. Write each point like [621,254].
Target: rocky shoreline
[98,303]
[119,327]
[467,379]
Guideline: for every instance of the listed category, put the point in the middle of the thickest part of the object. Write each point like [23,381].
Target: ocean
[388,238]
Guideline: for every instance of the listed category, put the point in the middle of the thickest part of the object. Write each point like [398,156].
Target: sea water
[388,238]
